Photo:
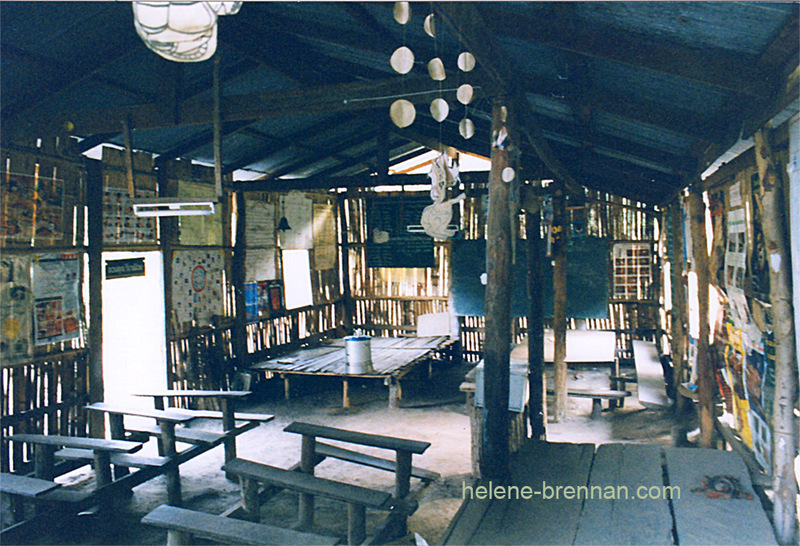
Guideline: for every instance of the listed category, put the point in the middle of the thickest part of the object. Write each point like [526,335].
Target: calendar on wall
[197,292]
[633,273]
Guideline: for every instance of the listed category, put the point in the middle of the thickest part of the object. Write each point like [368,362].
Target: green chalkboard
[389,243]
[588,265]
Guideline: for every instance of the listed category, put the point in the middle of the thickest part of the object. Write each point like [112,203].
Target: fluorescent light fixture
[173,206]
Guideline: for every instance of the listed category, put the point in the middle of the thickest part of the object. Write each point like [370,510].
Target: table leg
[345,393]
[117,428]
[102,468]
[250,498]
[44,461]
[228,425]
[356,523]
[286,390]
[172,474]
[395,392]
[308,454]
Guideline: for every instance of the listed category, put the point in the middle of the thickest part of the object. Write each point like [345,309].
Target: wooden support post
[495,452]
[535,324]
[356,523]
[94,198]
[784,430]
[560,302]
[126,137]
[705,372]
[168,226]
[347,297]
[172,475]
[678,301]
[250,501]
[308,456]
[116,425]
[228,425]
[238,281]
[217,126]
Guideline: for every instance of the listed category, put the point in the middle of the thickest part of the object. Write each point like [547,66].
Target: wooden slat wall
[44,394]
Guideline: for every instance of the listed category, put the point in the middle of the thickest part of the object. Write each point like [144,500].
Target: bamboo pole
[705,373]
[495,453]
[559,303]
[783,425]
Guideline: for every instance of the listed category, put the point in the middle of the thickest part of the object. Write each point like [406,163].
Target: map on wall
[56,297]
[32,206]
[16,304]
[197,285]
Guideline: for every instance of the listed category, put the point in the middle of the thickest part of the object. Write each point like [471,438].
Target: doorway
[134,340]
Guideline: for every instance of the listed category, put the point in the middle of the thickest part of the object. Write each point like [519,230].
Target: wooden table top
[194,393]
[172,415]
[78,442]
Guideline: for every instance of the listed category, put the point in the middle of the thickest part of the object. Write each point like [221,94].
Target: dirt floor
[434,411]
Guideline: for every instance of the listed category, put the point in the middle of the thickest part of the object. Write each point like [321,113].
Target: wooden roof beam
[477,37]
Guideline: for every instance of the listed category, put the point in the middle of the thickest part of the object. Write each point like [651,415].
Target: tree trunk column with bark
[783,427]
[497,345]
[560,302]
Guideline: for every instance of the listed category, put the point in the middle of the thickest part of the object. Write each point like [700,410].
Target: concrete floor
[439,418]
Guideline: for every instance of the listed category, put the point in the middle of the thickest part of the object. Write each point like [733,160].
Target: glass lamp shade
[181,31]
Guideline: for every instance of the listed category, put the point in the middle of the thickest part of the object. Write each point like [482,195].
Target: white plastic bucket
[359,354]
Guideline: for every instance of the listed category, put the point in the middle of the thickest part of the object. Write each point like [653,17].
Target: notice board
[389,243]
[588,267]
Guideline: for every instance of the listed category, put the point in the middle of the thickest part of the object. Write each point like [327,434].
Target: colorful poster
[324,237]
[56,299]
[759,270]
[32,206]
[735,363]
[251,301]
[120,224]
[197,291]
[16,309]
[296,208]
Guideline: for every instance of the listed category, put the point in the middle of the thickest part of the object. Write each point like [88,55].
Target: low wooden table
[392,359]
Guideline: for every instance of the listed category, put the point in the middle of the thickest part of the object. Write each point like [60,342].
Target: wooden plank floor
[703,520]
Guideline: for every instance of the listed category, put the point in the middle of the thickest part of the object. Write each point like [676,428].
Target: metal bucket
[359,354]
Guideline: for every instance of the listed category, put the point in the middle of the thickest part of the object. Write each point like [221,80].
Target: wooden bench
[348,455]
[404,450]
[117,459]
[182,525]
[619,382]
[358,498]
[597,395]
[19,487]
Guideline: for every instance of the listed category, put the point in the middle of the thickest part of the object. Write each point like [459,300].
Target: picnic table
[392,359]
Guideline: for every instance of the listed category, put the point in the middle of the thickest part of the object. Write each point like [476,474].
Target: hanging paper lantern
[181,31]
[439,109]
[466,61]
[402,113]
[436,69]
[402,60]
[402,12]
[466,128]
[429,26]
[464,93]
[508,174]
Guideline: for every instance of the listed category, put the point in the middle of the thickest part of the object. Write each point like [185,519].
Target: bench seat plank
[119,459]
[353,437]
[598,393]
[26,486]
[228,530]
[239,416]
[177,393]
[187,435]
[171,415]
[371,461]
[305,483]
[101,444]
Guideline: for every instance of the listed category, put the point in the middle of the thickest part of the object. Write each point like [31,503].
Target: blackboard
[588,265]
[391,216]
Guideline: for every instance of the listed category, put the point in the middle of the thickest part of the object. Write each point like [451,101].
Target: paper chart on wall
[735,268]
[324,237]
[260,224]
[120,224]
[16,305]
[259,264]
[197,285]
[296,208]
[56,300]
[200,230]
[31,207]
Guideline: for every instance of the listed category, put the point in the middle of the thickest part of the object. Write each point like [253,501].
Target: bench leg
[178,538]
[597,407]
[614,386]
[308,455]
[356,523]
[286,389]
[171,474]
[250,503]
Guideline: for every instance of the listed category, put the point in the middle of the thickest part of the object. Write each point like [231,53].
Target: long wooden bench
[597,396]
[182,525]
[328,450]
[358,498]
[117,459]
[25,486]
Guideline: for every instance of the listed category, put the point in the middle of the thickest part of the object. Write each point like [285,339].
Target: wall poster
[197,292]
[120,224]
[16,309]
[324,237]
[204,229]
[32,207]
[260,258]
[56,297]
